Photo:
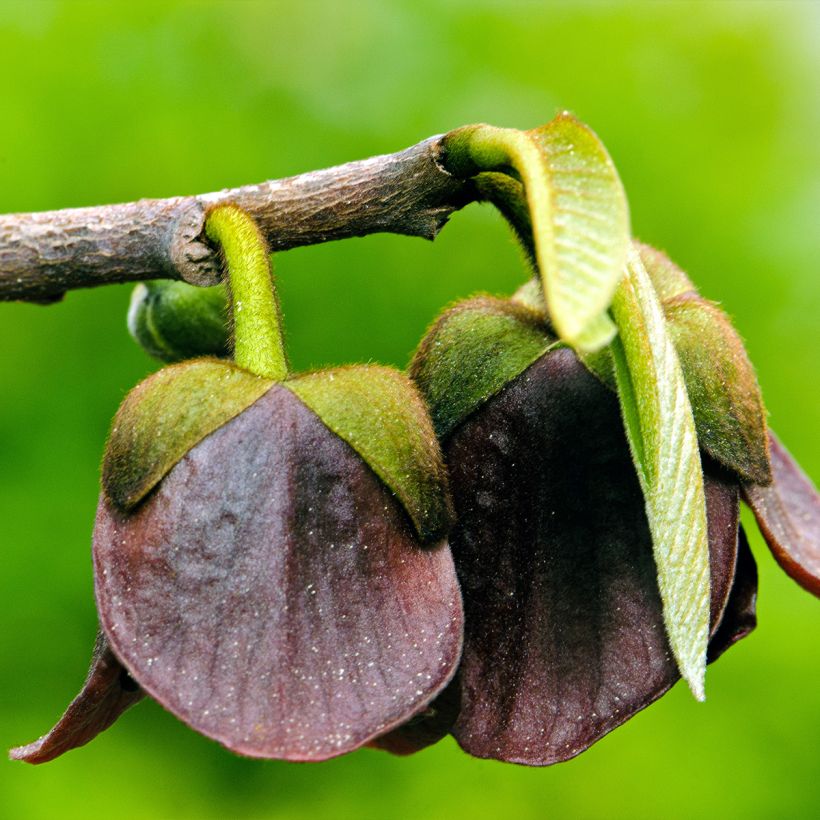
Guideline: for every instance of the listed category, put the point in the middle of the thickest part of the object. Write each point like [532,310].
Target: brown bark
[43,255]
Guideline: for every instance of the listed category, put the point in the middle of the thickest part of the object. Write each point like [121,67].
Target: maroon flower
[564,629]
[269,552]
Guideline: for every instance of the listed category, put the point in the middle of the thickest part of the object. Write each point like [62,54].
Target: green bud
[173,321]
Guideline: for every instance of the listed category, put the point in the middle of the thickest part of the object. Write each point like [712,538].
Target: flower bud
[172,321]
[270,562]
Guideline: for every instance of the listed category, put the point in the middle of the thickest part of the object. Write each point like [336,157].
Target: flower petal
[272,594]
[788,514]
[740,615]
[564,635]
[107,692]
[428,727]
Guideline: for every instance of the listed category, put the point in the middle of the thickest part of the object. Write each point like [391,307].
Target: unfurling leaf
[661,433]
[720,381]
[788,514]
[577,211]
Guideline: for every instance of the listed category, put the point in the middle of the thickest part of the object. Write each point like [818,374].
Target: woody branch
[43,255]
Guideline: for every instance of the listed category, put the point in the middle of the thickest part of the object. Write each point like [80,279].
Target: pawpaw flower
[564,626]
[270,557]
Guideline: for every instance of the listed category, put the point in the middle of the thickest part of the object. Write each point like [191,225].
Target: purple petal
[426,728]
[272,594]
[739,616]
[564,636]
[108,691]
[788,514]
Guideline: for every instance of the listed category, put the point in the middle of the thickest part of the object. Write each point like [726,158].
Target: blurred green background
[712,114]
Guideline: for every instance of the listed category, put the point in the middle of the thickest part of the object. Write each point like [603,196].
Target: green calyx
[376,410]
[380,414]
[567,205]
[720,379]
[471,352]
[165,415]
[722,388]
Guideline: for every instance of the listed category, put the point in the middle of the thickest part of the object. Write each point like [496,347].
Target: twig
[43,255]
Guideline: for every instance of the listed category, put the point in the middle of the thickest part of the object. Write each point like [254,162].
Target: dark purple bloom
[271,592]
[564,631]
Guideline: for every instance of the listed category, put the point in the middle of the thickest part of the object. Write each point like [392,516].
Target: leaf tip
[698,687]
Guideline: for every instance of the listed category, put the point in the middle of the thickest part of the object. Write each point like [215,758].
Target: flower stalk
[258,341]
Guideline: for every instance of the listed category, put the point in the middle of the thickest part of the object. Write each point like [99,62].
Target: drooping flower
[269,552]
[564,628]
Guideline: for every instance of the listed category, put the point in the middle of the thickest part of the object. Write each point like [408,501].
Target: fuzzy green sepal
[165,415]
[669,281]
[722,387]
[471,352]
[720,380]
[380,414]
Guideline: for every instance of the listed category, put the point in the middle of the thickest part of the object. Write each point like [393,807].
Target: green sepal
[471,352]
[531,296]
[173,321]
[726,401]
[381,415]
[165,415]
[723,390]
[669,281]
[598,362]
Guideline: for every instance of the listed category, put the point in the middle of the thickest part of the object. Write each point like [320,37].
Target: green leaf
[380,414]
[730,417]
[173,321]
[165,415]
[661,433]
[577,208]
[472,350]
